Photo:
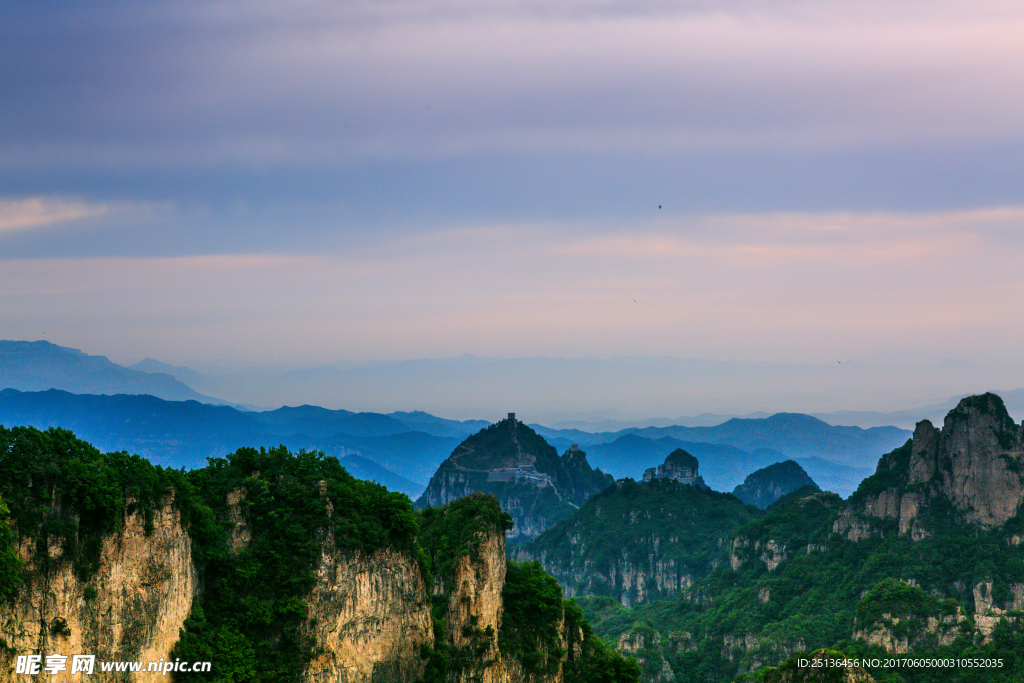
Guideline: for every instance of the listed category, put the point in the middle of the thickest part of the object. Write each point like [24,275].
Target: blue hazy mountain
[722,466]
[40,365]
[185,433]
[794,435]
[837,457]
[766,486]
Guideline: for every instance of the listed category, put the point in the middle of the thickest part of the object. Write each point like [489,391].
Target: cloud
[36,212]
[333,83]
[760,287]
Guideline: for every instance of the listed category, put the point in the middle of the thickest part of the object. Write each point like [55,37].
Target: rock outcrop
[129,610]
[370,615]
[515,464]
[678,466]
[646,645]
[934,631]
[974,465]
[472,594]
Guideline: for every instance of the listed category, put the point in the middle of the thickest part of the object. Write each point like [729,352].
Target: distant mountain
[178,372]
[40,365]
[415,455]
[609,424]
[361,468]
[794,435]
[765,486]
[185,433]
[1013,401]
[722,466]
[533,484]
[439,426]
[830,476]
[169,433]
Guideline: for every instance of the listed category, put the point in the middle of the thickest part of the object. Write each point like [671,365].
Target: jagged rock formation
[925,557]
[678,466]
[515,464]
[974,467]
[638,541]
[767,485]
[129,610]
[496,621]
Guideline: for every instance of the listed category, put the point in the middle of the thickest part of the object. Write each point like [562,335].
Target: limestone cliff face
[975,463]
[634,576]
[472,593]
[649,652]
[771,552]
[370,615]
[130,610]
[936,631]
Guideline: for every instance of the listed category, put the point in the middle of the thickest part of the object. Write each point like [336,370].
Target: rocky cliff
[971,471]
[370,616]
[471,597]
[130,609]
[515,464]
[271,565]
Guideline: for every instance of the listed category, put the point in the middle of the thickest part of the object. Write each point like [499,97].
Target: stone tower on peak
[678,466]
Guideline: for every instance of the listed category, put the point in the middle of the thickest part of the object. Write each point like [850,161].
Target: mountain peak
[975,463]
[510,460]
[769,484]
[678,466]
[41,365]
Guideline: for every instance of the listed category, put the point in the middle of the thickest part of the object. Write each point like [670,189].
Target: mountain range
[40,365]
[397,453]
[408,444]
[924,561]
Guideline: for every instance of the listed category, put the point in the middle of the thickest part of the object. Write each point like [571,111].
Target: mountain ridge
[41,365]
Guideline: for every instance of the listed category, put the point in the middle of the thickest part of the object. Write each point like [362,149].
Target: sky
[316,182]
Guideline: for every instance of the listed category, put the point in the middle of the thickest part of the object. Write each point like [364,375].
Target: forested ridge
[907,567]
[248,619]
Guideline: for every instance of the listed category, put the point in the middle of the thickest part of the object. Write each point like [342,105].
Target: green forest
[829,587]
